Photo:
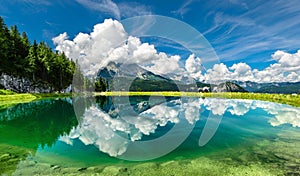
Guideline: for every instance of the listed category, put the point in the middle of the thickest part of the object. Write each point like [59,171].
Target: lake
[149,135]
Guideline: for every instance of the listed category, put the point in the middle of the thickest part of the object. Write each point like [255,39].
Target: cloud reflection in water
[112,135]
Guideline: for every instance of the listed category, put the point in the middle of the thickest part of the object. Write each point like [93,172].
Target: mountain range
[132,77]
[283,87]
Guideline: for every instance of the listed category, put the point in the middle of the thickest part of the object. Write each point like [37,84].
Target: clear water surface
[247,136]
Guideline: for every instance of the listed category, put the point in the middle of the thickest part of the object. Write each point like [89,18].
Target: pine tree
[30,67]
[36,62]
[44,55]
[100,85]
[25,45]
[5,47]
[15,56]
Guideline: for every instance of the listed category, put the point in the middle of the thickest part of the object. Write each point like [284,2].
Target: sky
[254,40]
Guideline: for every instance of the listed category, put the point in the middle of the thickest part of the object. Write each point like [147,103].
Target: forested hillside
[35,61]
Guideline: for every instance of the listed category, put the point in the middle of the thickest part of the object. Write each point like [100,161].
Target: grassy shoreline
[289,99]
[12,98]
[293,100]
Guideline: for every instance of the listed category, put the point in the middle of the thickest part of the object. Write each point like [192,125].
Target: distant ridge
[283,87]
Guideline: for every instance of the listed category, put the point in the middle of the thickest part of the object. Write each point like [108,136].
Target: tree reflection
[27,126]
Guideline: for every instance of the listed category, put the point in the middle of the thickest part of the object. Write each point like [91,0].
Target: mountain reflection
[111,123]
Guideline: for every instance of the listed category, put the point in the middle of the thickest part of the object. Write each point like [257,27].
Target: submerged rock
[4,157]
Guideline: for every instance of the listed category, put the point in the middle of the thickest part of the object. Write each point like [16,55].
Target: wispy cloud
[133,9]
[106,6]
[51,24]
[49,33]
[239,3]
[117,10]
[183,9]
[221,20]
[139,25]
[258,28]
[165,43]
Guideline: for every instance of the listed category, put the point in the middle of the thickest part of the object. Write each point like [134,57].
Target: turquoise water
[122,132]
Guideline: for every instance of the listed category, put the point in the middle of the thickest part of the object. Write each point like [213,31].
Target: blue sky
[239,31]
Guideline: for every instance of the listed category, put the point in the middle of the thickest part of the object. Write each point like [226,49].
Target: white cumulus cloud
[109,42]
[285,69]
[194,67]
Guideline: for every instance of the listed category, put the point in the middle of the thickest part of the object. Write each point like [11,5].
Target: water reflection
[26,127]
[37,123]
[113,126]
[283,114]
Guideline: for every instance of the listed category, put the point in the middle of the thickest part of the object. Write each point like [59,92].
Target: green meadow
[8,98]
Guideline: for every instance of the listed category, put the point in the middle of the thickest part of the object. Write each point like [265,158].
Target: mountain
[227,87]
[283,87]
[128,70]
[132,77]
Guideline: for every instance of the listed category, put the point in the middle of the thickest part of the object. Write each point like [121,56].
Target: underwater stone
[82,169]
[55,167]
[110,170]
[4,156]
